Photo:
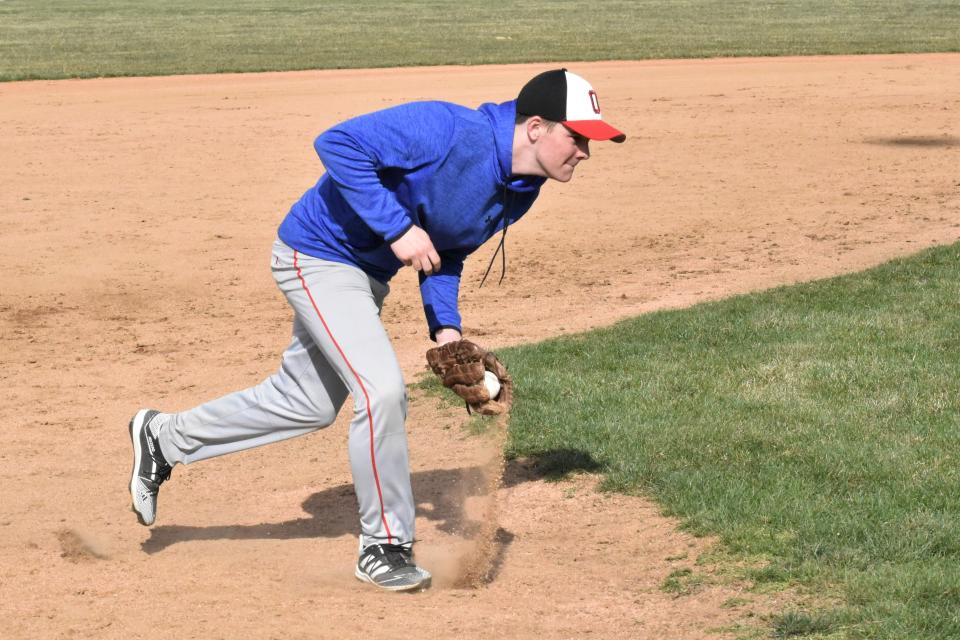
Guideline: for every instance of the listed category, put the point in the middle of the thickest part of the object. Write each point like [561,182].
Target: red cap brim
[595,130]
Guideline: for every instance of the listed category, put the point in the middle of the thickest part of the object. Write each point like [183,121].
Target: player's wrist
[447,334]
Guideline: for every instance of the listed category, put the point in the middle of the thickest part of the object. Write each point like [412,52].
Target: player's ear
[534,128]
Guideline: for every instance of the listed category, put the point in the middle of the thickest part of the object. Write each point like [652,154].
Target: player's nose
[583,149]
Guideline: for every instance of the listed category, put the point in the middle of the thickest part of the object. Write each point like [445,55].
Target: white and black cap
[566,98]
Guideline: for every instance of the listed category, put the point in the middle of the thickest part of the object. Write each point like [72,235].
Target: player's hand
[415,249]
[463,367]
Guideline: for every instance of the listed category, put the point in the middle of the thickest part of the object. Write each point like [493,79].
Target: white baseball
[492,383]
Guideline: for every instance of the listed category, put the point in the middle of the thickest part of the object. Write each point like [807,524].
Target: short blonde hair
[521,118]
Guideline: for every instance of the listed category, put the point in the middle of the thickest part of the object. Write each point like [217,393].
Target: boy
[423,185]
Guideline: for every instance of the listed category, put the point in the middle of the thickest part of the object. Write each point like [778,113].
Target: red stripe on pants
[366,396]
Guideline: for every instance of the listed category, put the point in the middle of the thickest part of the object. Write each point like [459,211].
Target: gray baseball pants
[339,347]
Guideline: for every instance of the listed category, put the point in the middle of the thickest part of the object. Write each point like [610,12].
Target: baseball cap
[566,98]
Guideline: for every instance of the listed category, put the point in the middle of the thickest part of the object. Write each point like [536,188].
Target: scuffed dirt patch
[76,548]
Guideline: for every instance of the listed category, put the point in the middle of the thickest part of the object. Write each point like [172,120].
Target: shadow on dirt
[440,497]
[548,465]
[502,540]
[916,141]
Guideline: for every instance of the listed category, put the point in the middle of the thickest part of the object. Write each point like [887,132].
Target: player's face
[559,150]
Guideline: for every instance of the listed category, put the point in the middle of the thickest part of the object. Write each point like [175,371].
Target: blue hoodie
[437,165]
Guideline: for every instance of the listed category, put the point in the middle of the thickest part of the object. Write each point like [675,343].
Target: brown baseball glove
[461,365]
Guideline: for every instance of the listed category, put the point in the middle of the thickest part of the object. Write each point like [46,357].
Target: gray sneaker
[150,469]
[391,567]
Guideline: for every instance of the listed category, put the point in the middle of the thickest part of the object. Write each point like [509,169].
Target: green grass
[61,38]
[815,429]
[683,582]
[798,624]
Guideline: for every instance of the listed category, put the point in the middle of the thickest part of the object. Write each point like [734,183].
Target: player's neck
[524,161]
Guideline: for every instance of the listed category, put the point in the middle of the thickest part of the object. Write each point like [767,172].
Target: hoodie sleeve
[440,291]
[356,151]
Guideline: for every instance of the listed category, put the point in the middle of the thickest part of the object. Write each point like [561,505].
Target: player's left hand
[461,365]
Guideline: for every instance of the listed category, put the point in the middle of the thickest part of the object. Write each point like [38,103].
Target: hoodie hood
[503,118]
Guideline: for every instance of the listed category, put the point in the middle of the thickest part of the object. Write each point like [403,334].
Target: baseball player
[423,185]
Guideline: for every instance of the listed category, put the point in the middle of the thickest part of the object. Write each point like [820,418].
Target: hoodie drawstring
[502,247]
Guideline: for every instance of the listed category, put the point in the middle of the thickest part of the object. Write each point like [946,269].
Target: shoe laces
[163,470]
[163,473]
[395,555]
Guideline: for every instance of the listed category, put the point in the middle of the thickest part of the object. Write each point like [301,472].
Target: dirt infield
[136,219]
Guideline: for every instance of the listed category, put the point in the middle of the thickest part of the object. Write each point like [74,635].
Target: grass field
[815,429]
[61,39]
